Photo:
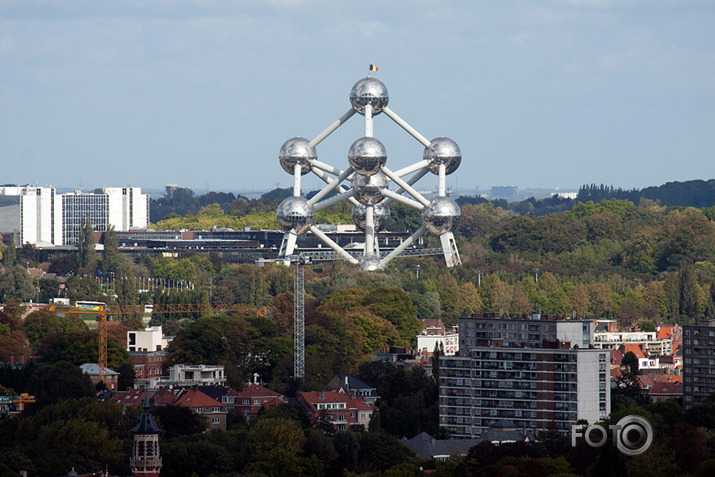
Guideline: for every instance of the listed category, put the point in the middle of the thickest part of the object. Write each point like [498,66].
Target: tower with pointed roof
[146,458]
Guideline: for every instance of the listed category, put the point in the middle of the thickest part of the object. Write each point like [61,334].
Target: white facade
[202,375]
[40,215]
[449,342]
[48,218]
[649,340]
[128,208]
[150,339]
[593,390]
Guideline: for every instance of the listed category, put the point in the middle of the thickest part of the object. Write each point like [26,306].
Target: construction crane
[299,261]
[102,310]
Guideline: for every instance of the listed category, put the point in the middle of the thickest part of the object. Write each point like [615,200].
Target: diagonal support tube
[331,185]
[403,124]
[327,240]
[405,186]
[400,248]
[332,127]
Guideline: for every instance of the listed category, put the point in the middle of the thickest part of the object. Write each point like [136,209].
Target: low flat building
[198,375]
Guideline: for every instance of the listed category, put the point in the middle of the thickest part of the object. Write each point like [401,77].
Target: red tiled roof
[634,348]
[255,390]
[664,332]
[164,397]
[133,397]
[315,397]
[194,398]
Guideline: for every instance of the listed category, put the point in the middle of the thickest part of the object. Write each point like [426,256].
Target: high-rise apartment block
[49,218]
[531,370]
[698,362]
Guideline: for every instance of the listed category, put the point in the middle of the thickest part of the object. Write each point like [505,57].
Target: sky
[203,93]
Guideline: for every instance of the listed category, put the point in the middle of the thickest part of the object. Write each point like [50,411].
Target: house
[354,387]
[204,405]
[340,408]
[92,370]
[148,368]
[251,399]
[427,447]
[130,397]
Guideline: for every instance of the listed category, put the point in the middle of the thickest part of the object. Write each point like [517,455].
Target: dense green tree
[110,255]
[39,324]
[9,254]
[125,287]
[59,380]
[15,282]
[86,253]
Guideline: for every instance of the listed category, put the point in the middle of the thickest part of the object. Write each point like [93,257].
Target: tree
[86,253]
[110,255]
[9,254]
[15,282]
[127,295]
[273,435]
[60,380]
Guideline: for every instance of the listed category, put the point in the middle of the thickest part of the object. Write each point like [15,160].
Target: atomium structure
[366,184]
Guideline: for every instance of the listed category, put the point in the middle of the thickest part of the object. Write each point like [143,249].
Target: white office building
[48,218]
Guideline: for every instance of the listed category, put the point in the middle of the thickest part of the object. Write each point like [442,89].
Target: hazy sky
[202,93]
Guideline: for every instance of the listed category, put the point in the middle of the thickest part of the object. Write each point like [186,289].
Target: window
[216,420]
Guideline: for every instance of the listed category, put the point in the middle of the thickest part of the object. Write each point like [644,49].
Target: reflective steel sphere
[367,155]
[297,151]
[295,213]
[370,263]
[441,215]
[368,188]
[380,216]
[442,150]
[369,91]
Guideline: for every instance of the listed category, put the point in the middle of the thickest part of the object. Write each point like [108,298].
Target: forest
[611,258]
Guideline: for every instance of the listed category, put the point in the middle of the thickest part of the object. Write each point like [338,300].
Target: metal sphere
[295,213]
[370,263]
[380,216]
[295,151]
[369,91]
[368,189]
[442,150]
[367,155]
[441,215]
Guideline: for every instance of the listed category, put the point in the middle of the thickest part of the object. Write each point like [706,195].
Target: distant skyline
[203,93]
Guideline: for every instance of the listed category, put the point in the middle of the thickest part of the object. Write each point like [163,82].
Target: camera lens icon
[633,435]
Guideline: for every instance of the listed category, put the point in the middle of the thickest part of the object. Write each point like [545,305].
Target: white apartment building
[648,340]
[150,339]
[532,371]
[48,218]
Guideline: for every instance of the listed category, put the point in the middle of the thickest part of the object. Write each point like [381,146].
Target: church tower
[146,459]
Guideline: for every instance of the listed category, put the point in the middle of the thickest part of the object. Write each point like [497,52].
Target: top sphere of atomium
[441,215]
[442,150]
[367,155]
[295,213]
[297,151]
[369,91]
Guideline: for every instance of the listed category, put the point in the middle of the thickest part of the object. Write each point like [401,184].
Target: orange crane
[102,310]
